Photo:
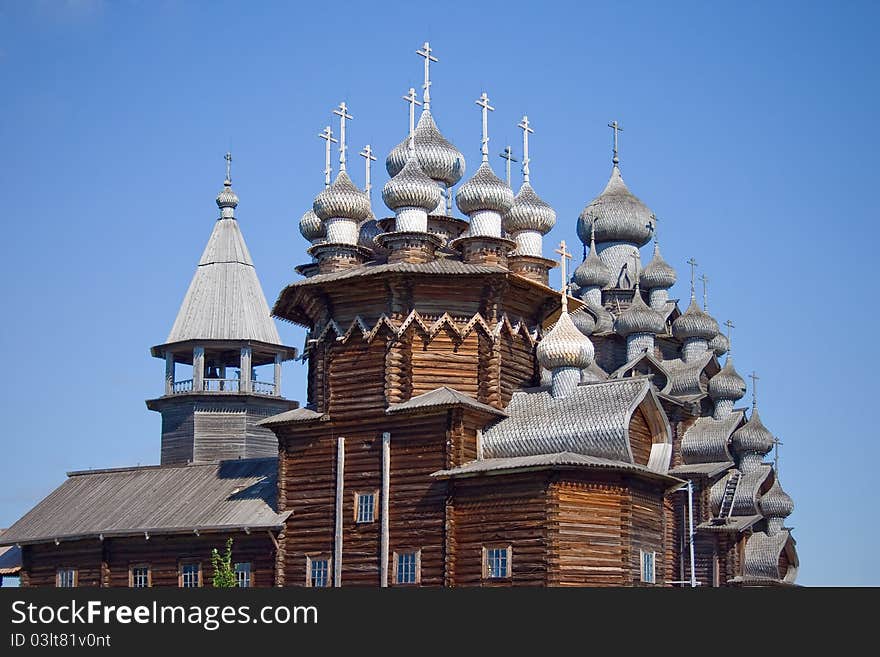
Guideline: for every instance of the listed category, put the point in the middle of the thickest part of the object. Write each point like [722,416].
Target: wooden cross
[228,158]
[342,113]
[693,264]
[327,136]
[563,256]
[705,280]
[776,444]
[754,377]
[411,99]
[426,53]
[368,156]
[524,126]
[615,126]
[483,102]
[730,326]
[652,226]
[507,154]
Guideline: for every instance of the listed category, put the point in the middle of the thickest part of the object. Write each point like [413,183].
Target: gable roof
[293,415]
[228,495]
[225,300]
[592,420]
[442,397]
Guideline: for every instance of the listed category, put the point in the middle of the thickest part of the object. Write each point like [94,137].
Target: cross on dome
[525,127]
[327,136]
[693,264]
[730,326]
[507,154]
[483,102]
[426,53]
[368,156]
[754,377]
[342,113]
[705,280]
[563,256]
[413,101]
[615,127]
[228,158]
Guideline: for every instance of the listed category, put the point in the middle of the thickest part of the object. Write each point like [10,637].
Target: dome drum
[484,250]
[529,242]
[485,223]
[535,268]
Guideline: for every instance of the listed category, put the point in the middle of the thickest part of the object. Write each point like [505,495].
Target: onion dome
[592,272]
[753,436]
[776,503]
[529,212]
[658,273]
[584,321]
[439,159]
[565,346]
[694,323]
[639,318]
[411,188]
[227,198]
[342,200]
[311,227]
[368,232]
[727,384]
[720,344]
[484,191]
[619,216]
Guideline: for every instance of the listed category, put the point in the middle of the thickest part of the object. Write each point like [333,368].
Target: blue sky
[750,130]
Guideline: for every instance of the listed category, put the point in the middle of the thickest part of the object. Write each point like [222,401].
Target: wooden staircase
[727,501]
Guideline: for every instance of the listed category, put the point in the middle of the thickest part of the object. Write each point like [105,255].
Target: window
[66,578]
[496,562]
[243,575]
[408,567]
[648,571]
[139,576]
[190,575]
[317,571]
[365,507]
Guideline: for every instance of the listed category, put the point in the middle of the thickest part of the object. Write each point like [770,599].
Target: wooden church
[466,424]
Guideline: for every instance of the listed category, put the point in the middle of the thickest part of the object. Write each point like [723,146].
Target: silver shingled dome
[592,272]
[439,159]
[720,345]
[311,227]
[727,384]
[694,323]
[342,200]
[529,212]
[565,346]
[657,273]
[753,436]
[639,318]
[776,503]
[484,191]
[368,232]
[618,213]
[411,188]
[227,198]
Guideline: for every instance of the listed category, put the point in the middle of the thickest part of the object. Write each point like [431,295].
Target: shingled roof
[224,496]
[442,397]
[225,300]
[592,420]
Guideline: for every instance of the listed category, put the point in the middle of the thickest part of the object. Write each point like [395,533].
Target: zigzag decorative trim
[417,322]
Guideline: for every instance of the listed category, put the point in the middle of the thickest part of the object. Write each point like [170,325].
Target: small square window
[66,578]
[243,575]
[139,577]
[648,569]
[365,507]
[190,575]
[496,562]
[317,572]
[407,567]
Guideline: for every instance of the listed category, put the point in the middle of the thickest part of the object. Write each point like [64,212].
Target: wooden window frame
[58,577]
[395,556]
[319,557]
[189,562]
[653,554]
[250,572]
[357,496]
[131,568]
[485,559]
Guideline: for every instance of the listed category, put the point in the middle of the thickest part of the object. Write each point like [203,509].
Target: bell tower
[223,355]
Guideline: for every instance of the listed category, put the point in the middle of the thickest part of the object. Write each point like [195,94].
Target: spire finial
[776,443]
[615,126]
[593,236]
[507,154]
[730,326]
[754,377]
[228,158]
[327,136]
[483,102]
[426,53]
[563,256]
[342,113]
[524,126]
[705,281]
[693,264]
[368,156]
[411,99]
